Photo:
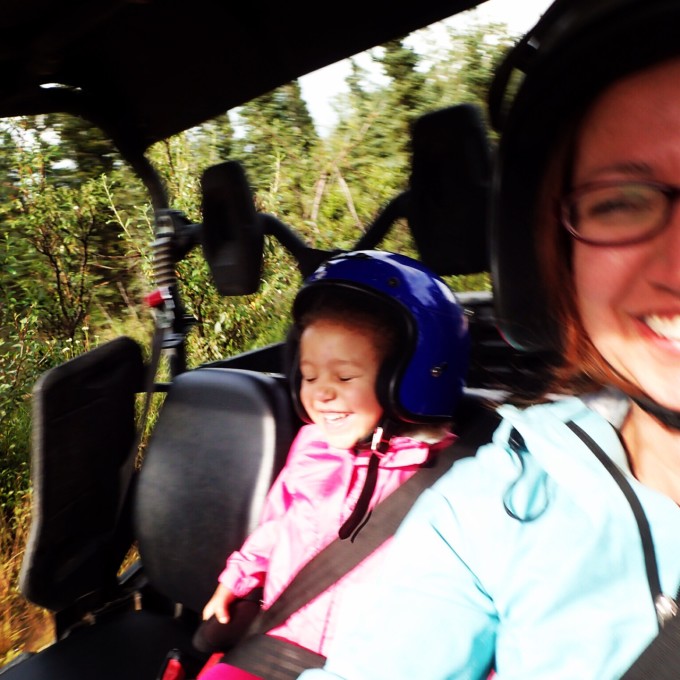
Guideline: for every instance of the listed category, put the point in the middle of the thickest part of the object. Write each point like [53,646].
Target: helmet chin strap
[664,415]
[380,443]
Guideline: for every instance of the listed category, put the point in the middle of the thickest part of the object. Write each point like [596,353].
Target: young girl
[379,352]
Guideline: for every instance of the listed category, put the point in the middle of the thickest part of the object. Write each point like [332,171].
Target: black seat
[221,437]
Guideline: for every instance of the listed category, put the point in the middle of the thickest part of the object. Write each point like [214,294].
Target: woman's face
[629,296]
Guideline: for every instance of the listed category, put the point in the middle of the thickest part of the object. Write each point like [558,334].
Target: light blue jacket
[561,595]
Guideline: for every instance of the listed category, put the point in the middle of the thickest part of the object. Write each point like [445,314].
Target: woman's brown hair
[583,368]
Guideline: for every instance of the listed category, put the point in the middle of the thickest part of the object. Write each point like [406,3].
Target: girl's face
[339,366]
[629,296]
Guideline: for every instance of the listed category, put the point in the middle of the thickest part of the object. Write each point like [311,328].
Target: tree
[85,152]
[277,147]
[463,72]
[214,141]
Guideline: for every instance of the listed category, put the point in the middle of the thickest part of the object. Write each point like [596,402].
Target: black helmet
[424,380]
[575,50]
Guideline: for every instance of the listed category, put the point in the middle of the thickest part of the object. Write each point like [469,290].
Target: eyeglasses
[618,212]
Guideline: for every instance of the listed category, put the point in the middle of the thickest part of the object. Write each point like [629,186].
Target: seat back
[82,463]
[221,438]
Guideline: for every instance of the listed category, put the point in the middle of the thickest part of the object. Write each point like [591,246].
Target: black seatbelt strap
[341,556]
[640,517]
[661,658]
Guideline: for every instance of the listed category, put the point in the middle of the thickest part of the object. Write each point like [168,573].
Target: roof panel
[146,69]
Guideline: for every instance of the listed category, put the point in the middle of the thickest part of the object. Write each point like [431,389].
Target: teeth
[668,327]
[333,418]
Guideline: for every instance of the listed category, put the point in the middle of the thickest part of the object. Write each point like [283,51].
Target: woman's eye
[620,204]
[632,202]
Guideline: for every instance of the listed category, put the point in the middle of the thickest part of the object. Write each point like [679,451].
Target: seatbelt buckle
[172,668]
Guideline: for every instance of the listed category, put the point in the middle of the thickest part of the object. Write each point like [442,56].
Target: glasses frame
[670,191]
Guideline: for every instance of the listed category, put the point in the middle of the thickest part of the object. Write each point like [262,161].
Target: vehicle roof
[143,70]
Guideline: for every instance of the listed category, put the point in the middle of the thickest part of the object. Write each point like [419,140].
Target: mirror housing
[232,237]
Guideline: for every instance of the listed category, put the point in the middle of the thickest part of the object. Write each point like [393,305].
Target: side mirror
[232,238]
[450,188]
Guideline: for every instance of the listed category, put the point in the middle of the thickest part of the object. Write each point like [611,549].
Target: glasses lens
[616,213]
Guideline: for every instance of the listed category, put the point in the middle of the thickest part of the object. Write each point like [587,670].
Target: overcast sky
[320,87]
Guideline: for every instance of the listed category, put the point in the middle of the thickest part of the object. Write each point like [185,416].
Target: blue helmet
[422,382]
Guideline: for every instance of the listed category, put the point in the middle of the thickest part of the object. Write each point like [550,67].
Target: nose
[323,391]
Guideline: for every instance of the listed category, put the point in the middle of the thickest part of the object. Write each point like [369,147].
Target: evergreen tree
[278,147]
[213,141]
[405,89]
[463,72]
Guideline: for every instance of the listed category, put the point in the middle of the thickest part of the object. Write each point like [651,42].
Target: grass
[23,626]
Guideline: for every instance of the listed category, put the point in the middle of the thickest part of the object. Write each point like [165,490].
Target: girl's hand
[218,605]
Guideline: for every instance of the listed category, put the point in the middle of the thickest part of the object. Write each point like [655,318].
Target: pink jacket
[312,496]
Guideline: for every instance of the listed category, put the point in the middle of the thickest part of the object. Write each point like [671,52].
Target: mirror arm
[307,258]
[396,209]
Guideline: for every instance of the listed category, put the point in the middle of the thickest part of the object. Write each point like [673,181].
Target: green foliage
[463,72]
[213,142]
[59,253]
[278,147]
[227,326]
[23,357]
[85,151]
[469,282]
[62,268]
